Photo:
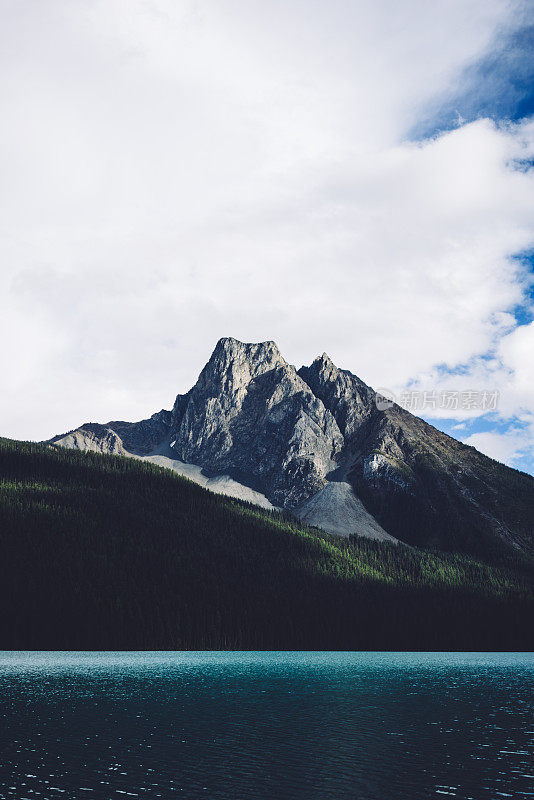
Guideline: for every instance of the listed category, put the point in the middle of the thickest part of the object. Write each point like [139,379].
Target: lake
[234,726]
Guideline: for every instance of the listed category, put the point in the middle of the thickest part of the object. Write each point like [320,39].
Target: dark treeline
[102,552]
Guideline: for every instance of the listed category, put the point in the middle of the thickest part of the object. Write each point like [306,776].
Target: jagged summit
[324,360]
[233,348]
[233,364]
[314,441]
[321,366]
[251,415]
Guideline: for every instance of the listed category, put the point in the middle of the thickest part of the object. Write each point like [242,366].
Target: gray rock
[251,416]
[336,509]
[315,442]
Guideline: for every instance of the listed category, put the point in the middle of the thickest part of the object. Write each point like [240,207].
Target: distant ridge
[314,442]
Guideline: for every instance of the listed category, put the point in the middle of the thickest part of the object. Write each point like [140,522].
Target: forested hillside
[105,552]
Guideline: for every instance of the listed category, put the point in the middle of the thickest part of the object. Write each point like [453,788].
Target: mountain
[106,552]
[314,442]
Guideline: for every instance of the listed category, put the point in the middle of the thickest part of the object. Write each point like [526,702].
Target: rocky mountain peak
[259,355]
[233,364]
[324,366]
[345,395]
[315,442]
[251,414]
[324,361]
[323,369]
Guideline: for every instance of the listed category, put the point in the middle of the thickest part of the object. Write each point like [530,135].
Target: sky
[348,176]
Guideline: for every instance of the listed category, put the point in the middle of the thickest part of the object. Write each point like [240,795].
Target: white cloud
[507,447]
[517,353]
[176,172]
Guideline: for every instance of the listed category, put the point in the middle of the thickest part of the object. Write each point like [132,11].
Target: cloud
[516,351]
[176,172]
[500,85]
[509,447]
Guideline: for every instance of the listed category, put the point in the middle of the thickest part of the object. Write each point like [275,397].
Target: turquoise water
[365,726]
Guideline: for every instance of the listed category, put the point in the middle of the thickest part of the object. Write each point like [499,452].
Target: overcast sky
[348,176]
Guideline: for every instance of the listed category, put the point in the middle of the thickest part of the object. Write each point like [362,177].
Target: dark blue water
[376,726]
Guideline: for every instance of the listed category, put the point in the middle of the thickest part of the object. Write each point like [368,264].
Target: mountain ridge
[287,434]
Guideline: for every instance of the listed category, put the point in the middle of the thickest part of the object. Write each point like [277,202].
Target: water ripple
[271,726]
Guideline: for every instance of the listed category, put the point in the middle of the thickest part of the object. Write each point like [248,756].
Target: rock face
[252,416]
[423,486]
[315,442]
